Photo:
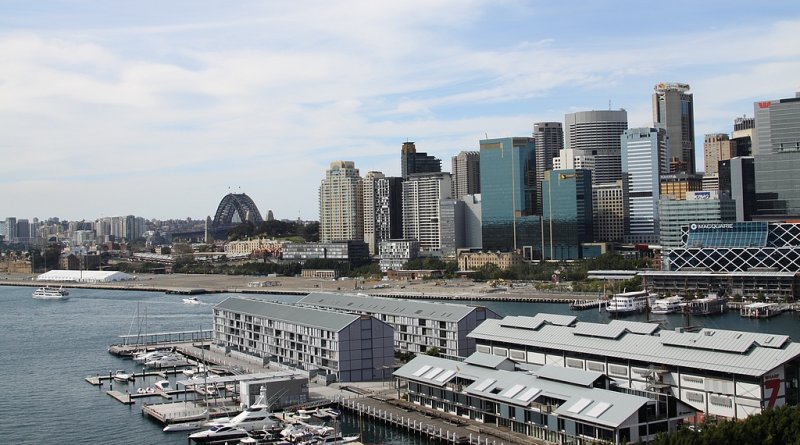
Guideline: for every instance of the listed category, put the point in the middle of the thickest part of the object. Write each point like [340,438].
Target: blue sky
[159,109]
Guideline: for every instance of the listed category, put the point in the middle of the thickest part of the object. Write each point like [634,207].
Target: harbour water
[48,347]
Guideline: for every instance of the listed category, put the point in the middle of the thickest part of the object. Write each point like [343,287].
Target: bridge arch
[233,204]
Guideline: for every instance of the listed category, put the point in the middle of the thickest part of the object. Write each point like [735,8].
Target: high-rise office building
[422,210]
[597,134]
[341,203]
[466,174]
[412,162]
[644,160]
[609,211]
[742,138]
[716,147]
[776,151]
[549,140]
[11,229]
[673,110]
[567,217]
[675,185]
[383,209]
[737,179]
[508,195]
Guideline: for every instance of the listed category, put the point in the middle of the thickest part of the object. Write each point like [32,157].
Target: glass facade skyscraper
[777,157]
[644,160]
[508,193]
[567,213]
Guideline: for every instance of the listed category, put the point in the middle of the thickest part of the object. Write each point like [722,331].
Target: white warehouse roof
[85,276]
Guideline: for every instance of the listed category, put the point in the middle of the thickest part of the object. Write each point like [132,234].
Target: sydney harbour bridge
[234,209]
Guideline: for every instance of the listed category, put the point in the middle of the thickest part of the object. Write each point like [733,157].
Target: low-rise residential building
[476,260]
[350,347]
[395,253]
[731,374]
[418,325]
[548,403]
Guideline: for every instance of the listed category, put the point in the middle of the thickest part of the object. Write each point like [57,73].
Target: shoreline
[191,284]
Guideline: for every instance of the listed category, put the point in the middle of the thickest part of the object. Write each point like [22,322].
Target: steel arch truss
[236,203]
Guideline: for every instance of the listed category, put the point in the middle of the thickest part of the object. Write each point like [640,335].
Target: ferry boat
[630,302]
[50,293]
[668,305]
[760,310]
[710,305]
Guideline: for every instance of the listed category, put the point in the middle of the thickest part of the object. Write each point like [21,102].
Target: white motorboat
[51,293]
[630,302]
[167,361]
[257,416]
[149,356]
[219,433]
[192,372]
[122,376]
[326,413]
[668,305]
[191,300]
[163,385]
[331,439]
[196,425]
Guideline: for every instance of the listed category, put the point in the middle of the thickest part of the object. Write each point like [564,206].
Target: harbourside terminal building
[548,403]
[418,326]
[340,346]
[730,374]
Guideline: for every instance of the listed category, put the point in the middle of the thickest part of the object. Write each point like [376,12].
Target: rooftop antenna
[486,134]
[609,104]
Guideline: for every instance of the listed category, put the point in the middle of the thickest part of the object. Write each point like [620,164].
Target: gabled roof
[391,306]
[736,352]
[486,360]
[305,316]
[601,406]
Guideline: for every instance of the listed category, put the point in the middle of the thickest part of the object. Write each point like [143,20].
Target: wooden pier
[431,424]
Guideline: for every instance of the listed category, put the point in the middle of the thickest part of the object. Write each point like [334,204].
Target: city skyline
[161,110]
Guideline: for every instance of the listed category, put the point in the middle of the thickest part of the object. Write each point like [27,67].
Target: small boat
[326,413]
[334,439]
[147,390]
[122,376]
[51,293]
[668,305]
[760,310]
[198,370]
[191,300]
[167,361]
[163,385]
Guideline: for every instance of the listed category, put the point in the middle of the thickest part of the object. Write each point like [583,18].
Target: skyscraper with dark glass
[412,162]
[508,194]
[567,213]
[549,140]
[673,110]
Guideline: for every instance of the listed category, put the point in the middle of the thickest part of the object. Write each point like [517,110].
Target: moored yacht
[219,433]
[122,376]
[668,305]
[50,293]
[709,305]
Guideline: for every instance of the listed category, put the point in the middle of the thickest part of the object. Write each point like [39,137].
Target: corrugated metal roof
[523,389]
[538,320]
[391,306]
[568,375]
[765,351]
[485,360]
[305,316]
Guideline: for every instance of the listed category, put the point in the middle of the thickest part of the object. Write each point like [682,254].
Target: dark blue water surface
[47,348]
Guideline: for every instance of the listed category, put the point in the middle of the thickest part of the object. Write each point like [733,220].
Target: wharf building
[730,374]
[567,213]
[418,326]
[341,203]
[340,346]
[508,195]
[673,110]
[547,403]
[777,157]
[466,174]
[549,140]
[412,162]
[644,160]
[595,135]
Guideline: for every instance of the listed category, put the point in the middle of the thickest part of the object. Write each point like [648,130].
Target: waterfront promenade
[458,289]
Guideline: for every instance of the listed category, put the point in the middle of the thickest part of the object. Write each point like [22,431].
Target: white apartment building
[395,253]
[422,218]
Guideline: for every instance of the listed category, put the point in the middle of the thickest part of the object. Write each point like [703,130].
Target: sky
[159,109]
